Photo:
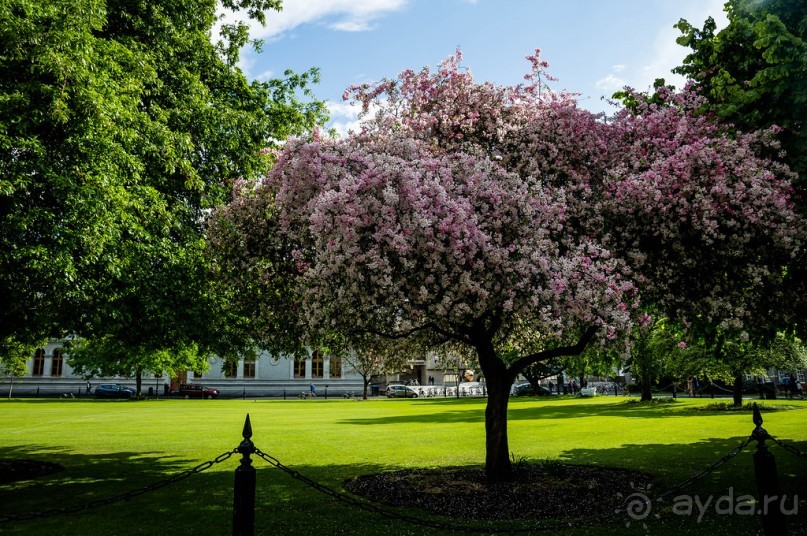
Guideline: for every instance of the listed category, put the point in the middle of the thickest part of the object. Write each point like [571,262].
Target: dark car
[525,389]
[197,391]
[401,391]
[113,390]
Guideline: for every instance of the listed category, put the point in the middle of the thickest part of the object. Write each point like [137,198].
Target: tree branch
[574,349]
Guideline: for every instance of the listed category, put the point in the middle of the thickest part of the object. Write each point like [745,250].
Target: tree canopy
[121,125]
[509,224]
[753,73]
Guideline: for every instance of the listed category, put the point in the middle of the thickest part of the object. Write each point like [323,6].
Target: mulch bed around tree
[16,470]
[539,491]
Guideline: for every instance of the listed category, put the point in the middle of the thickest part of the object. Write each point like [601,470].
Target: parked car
[401,391]
[193,390]
[113,390]
[525,389]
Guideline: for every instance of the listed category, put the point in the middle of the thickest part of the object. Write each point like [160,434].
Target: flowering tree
[505,222]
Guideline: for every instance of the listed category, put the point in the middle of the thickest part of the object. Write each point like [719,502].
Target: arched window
[56,363]
[231,369]
[299,367]
[335,367]
[317,365]
[249,368]
[39,362]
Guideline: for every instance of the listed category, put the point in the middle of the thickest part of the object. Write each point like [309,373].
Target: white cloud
[617,68]
[610,83]
[265,76]
[668,54]
[345,116]
[351,26]
[343,109]
[347,15]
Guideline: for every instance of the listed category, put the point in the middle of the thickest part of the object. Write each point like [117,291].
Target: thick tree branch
[560,351]
[449,336]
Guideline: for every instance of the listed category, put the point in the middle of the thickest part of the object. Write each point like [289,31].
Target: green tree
[753,74]
[13,358]
[729,358]
[754,71]
[107,356]
[121,125]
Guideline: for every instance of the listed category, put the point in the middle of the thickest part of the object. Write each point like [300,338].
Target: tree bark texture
[738,390]
[497,451]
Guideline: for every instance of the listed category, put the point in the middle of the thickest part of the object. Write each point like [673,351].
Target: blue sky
[594,47]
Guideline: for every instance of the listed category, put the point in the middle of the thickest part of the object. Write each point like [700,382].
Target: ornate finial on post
[757,415]
[773,521]
[244,489]
[247,433]
[759,433]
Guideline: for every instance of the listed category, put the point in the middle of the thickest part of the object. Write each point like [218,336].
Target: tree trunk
[365,383]
[738,390]
[499,380]
[647,394]
[497,459]
[139,383]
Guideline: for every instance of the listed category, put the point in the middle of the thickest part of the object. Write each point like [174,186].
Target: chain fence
[121,496]
[532,527]
[631,503]
[789,448]
[417,520]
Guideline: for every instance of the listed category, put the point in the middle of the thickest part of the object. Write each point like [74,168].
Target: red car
[196,391]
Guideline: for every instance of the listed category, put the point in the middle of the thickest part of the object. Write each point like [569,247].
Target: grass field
[108,448]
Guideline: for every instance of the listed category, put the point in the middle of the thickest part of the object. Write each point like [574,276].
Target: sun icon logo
[637,505]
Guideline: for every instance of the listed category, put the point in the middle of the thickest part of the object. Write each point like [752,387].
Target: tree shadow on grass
[720,493]
[471,410]
[202,504]
[86,477]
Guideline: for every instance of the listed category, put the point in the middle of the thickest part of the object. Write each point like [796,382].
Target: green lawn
[111,447]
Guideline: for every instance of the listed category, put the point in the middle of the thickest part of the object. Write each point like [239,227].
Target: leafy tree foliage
[107,357]
[508,224]
[121,125]
[753,73]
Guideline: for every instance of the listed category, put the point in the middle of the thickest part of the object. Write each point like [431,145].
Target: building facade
[49,374]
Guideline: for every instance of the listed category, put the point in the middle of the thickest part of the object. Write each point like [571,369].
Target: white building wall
[274,376]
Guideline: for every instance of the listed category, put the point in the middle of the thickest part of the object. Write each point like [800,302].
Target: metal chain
[122,496]
[364,505]
[455,527]
[711,384]
[709,470]
[787,447]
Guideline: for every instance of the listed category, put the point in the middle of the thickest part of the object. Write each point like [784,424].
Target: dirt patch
[539,491]
[16,470]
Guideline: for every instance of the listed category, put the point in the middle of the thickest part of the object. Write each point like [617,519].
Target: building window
[56,363]
[299,367]
[39,362]
[231,369]
[335,367]
[197,375]
[249,368]
[317,365]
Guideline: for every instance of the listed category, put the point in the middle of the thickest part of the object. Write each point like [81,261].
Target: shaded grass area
[111,447]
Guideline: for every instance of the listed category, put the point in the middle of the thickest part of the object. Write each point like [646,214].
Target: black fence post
[773,519]
[244,489]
